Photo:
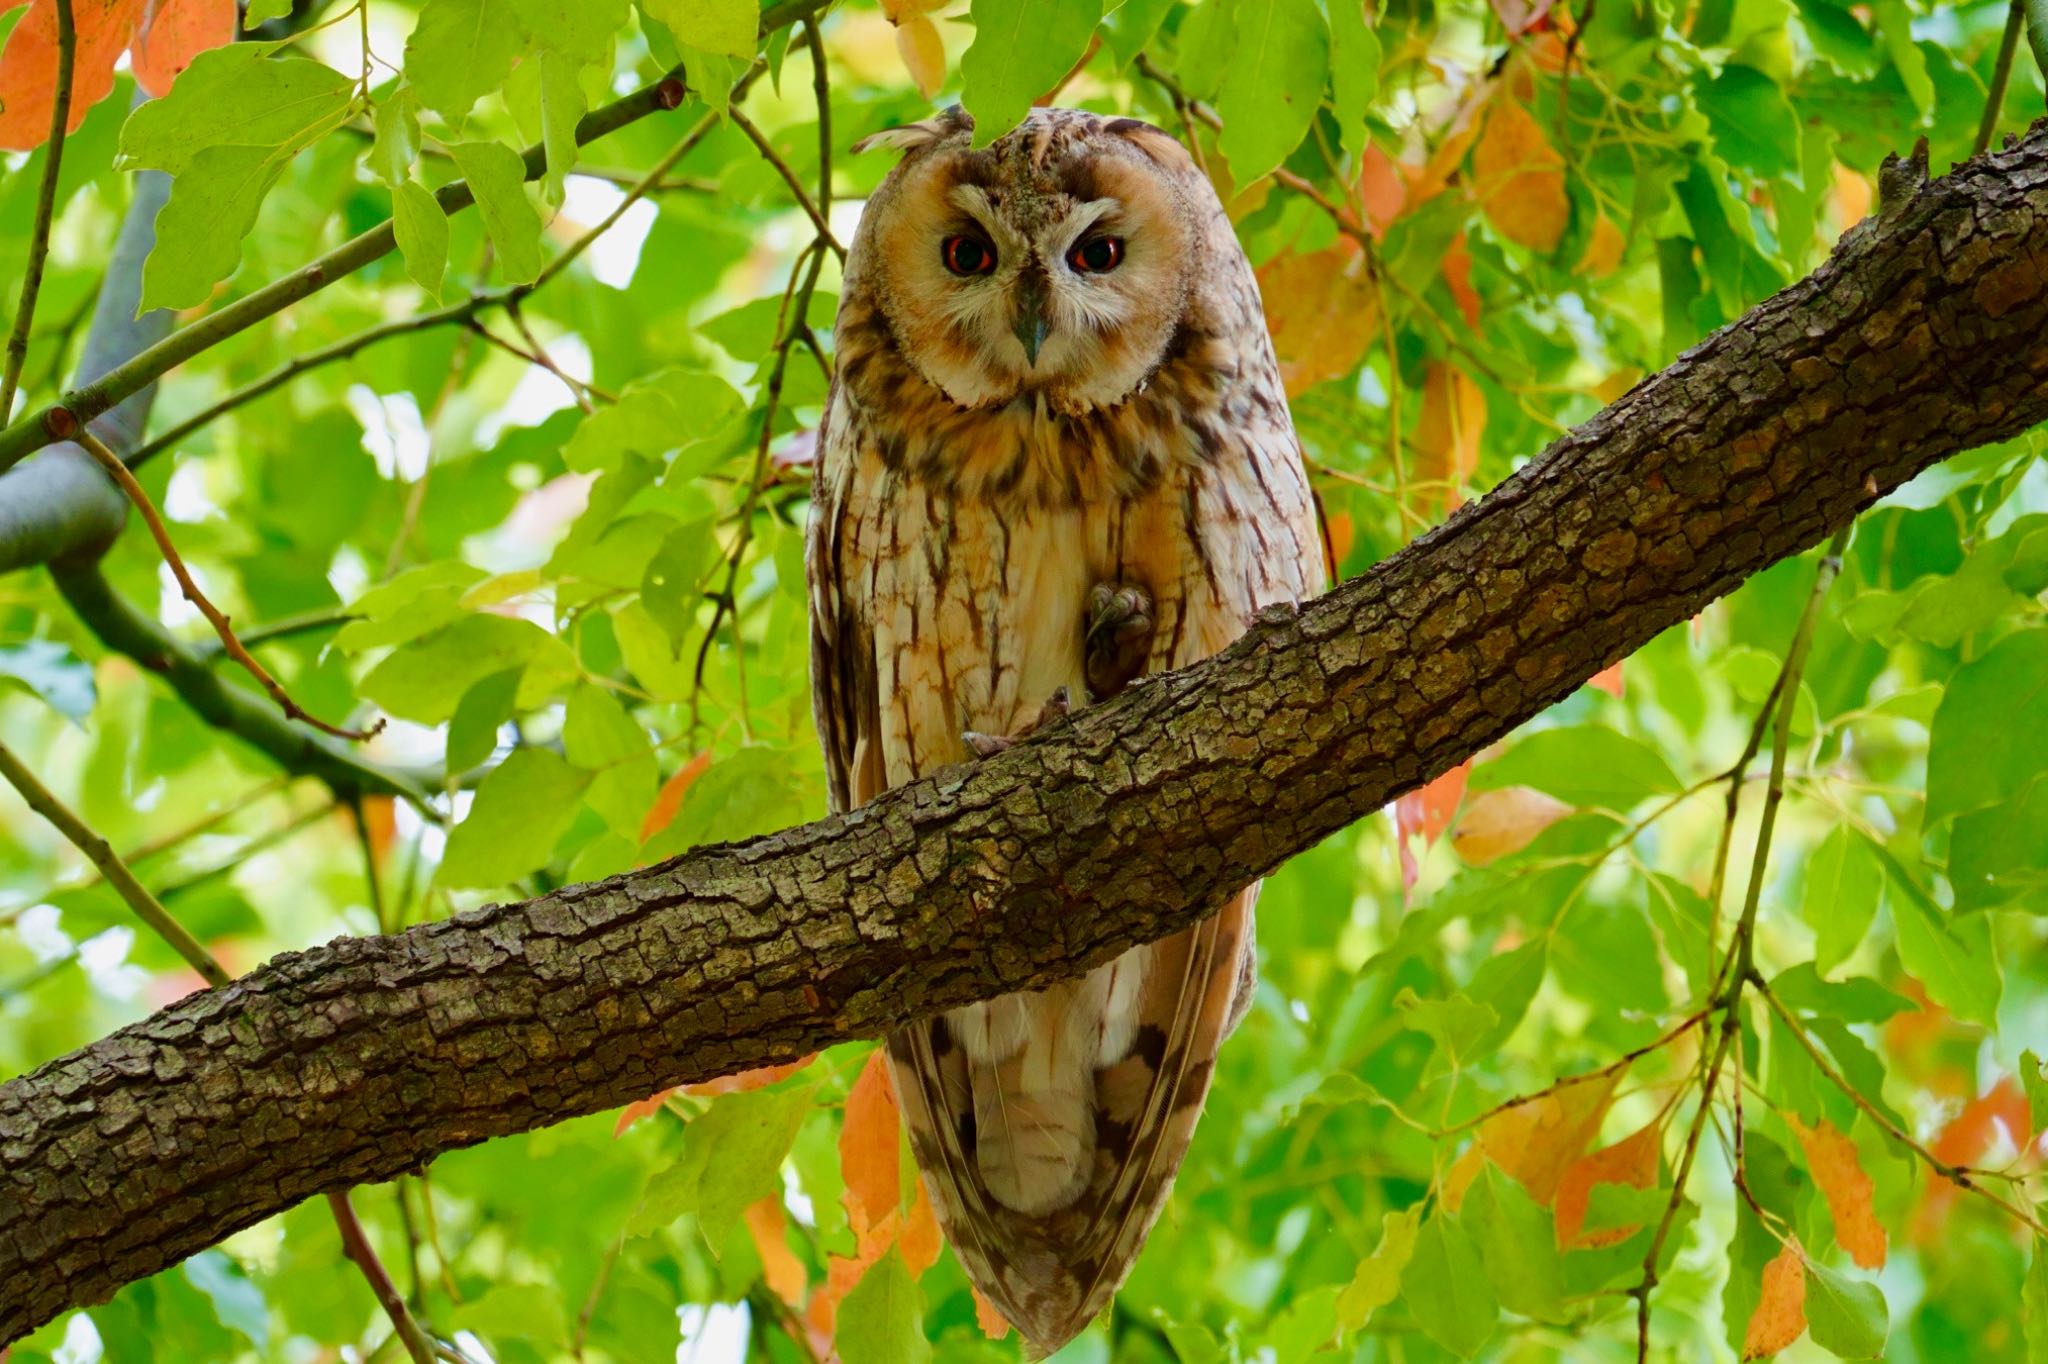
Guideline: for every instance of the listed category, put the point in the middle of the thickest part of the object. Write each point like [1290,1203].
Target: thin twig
[304,622]
[118,471]
[356,1246]
[1962,1176]
[1620,1063]
[1994,98]
[102,855]
[373,884]
[796,186]
[46,207]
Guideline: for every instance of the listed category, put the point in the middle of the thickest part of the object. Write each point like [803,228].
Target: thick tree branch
[1925,334]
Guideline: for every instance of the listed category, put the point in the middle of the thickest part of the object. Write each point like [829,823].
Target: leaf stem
[46,207]
[118,471]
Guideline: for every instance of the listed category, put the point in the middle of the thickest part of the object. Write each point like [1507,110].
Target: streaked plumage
[969,498]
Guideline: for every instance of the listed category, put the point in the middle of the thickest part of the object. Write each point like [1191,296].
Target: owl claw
[983,745]
[1118,636]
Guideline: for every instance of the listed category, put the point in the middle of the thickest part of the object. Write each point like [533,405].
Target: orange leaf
[638,1109]
[1537,1140]
[1604,250]
[920,1239]
[1342,533]
[1497,823]
[1323,312]
[781,1270]
[993,1324]
[924,54]
[1631,1161]
[1832,1158]
[843,1272]
[174,33]
[1850,200]
[868,1159]
[1518,178]
[1780,1315]
[1447,434]
[1458,277]
[1382,191]
[28,69]
[1427,810]
[669,799]
[1608,679]
[741,1081]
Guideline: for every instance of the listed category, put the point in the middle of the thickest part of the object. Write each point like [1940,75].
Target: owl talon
[982,745]
[1118,636]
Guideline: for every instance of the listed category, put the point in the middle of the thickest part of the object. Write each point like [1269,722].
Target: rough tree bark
[1925,334]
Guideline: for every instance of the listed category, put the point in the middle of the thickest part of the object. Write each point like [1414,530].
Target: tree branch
[1925,334]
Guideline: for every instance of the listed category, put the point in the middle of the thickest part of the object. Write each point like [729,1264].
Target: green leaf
[1378,1279]
[749,331]
[1021,48]
[521,811]
[2034,1077]
[561,108]
[1855,999]
[425,679]
[262,11]
[1506,983]
[1517,1239]
[235,96]
[1754,127]
[51,671]
[1274,83]
[497,177]
[507,1312]
[483,710]
[727,28]
[882,1319]
[460,51]
[1997,856]
[1445,1286]
[598,735]
[579,31]
[1584,765]
[199,233]
[1895,26]
[1954,961]
[1604,953]
[668,409]
[1844,882]
[397,144]
[736,1147]
[1990,739]
[237,1303]
[2034,1306]
[1354,74]
[1456,1023]
[422,231]
[1844,1315]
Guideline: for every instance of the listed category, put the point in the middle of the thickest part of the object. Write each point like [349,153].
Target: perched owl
[1056,455]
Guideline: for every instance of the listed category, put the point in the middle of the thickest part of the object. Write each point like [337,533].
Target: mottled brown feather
[965,503]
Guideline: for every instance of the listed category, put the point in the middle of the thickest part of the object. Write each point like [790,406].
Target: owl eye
[1097,255]
[968,255]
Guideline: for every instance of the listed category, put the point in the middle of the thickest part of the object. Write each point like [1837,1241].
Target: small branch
[1994,97]
[118,471]
[46,207]
[356,1246]
[796,186]
[1962,1176]
[284,627]
[102,855]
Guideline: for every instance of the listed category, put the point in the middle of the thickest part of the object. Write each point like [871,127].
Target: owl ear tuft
[1162,148]
[913,137]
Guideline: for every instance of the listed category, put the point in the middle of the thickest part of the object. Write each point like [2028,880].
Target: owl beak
[1033,324]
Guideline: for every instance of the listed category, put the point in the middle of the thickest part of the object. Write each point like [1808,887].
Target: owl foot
[1118,638]
[988,745]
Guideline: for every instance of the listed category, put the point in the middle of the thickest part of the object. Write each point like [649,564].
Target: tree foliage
[1693,1020]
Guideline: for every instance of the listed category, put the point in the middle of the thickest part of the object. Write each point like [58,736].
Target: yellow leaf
[1780,1315]
[1323,313]
[1832,1158]
[1536,1141]
[1518,179]
[924,55]
[1604,250]
[1497,823]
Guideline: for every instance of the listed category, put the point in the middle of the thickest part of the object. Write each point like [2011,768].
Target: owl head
[1054,264]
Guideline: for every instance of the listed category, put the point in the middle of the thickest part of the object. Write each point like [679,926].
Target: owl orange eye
[1097,255]
[968,255]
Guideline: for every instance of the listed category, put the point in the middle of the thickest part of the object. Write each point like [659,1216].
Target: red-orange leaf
[1608,679]
[1536,1141]
[1518,178]
[1322,309]
[1832,1158]
[669,798]
[742,1080]
[993,1323]
[1631,1161]
[868,1159]
[1427,811]
[28,69]
[781,1270]
[638,1109]
[173,33]
[1780,1315]
[921,1240]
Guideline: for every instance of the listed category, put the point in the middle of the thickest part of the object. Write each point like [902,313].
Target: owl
[1056,456]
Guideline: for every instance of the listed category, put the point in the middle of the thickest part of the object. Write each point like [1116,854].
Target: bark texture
[1925,334]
